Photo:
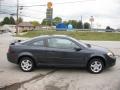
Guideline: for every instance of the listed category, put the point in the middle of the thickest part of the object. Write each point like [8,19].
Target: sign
[91,19]
[49,13]
[49,5]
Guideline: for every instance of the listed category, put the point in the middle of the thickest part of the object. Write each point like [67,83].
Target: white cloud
[105,12]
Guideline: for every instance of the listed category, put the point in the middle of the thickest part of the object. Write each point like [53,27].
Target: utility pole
[17,13]
[81,18]
[82,22]
[0,4]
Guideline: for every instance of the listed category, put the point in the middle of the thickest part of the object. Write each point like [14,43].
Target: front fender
[95,55]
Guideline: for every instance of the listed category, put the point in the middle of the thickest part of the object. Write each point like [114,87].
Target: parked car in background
[118,30]
[109,30]
[59,51]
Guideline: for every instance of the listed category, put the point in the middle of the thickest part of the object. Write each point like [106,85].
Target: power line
[74,2]
[19,6]
[46,4]
[58,3]
[37,12]
[9,12]
[33,5]
[8,5]
[23,11]
[8,9]
[5,12]
[30,16]
[1,12]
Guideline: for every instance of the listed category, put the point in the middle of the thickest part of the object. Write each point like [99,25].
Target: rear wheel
[26,64]
[96,66]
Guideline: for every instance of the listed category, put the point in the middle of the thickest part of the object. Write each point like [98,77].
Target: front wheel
[26,64]
[96,66]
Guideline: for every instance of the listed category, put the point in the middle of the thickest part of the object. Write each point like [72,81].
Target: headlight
[110,54]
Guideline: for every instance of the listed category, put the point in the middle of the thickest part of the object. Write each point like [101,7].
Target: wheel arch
[28,57]
[99,57]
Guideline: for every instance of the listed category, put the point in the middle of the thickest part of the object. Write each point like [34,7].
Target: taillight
[9,49]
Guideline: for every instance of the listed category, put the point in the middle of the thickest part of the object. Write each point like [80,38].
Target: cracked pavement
[12,78]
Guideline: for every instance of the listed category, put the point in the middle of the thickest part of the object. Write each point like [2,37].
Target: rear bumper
[12,58]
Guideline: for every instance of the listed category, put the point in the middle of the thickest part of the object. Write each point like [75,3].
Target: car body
[59,50]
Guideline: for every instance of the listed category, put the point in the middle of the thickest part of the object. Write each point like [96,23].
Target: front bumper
[110,61]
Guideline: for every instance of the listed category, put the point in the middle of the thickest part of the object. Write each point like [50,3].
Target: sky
[105,12]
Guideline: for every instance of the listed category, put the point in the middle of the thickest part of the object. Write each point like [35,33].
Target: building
[8,28]
[25,26]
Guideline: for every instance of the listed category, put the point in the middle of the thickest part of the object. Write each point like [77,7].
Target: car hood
[99,48]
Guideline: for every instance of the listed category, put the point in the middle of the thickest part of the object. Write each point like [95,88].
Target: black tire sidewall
[93,60]
[23,58]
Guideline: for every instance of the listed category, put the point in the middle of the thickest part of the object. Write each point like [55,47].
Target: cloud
[105,12]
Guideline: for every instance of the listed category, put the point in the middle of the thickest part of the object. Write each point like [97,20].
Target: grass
[101,36]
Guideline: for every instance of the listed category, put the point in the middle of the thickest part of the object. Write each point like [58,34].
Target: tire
[95,66]
[26,64]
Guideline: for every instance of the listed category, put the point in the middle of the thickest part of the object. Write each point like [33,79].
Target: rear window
[39,43]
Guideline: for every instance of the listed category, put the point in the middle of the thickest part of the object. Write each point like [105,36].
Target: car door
[38,50]
[62,51]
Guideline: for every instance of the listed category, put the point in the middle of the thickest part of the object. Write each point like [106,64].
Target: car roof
[60,36]
[47,36]
[50,36]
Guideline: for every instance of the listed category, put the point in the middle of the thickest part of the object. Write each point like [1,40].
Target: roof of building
[27,24]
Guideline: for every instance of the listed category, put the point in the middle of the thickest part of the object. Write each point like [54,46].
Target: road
[12,78]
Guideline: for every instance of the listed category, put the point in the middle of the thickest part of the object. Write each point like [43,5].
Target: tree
[57,20]
[86,25]
[20,20]
[12,21]
[35,23]
[79,25]
[6,20]
[65,22]
[73,22]
[108,27]
[76,24]
[46,22]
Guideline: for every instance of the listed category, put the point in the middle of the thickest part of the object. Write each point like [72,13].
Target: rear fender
[26,54]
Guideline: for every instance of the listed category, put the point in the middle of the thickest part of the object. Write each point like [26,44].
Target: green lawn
[103,36]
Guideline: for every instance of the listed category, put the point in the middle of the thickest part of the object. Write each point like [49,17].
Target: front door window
[61,43]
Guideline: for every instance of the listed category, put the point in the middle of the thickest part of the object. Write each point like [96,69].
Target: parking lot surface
[12,78]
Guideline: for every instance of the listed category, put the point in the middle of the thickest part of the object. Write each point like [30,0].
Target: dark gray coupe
[59,50]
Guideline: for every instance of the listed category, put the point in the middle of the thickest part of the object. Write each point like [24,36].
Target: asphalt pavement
[12,78]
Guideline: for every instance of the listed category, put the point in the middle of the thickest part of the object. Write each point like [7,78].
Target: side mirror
[88,45]
[19,40]
[77,49]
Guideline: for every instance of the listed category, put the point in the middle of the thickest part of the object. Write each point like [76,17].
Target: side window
[38,43]
[61,43]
